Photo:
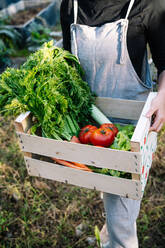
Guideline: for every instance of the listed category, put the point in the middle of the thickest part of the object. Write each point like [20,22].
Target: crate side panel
[145,141]
[148,149]
[87,154]
[124,187]
[23,122]
[120,108]
[143,124]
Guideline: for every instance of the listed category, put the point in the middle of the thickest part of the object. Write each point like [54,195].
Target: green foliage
[48,84]
[10,36]
[97,235]
[9,40]
[39,34]
[4,20]
[122,140]
[4,54]
[5,219]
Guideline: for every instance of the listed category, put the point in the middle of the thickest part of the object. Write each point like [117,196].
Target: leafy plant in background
[39,34]
[4,20]
[10,36]
[4,54]
[10,39]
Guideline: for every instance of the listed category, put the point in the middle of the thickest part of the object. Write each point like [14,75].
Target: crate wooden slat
[114,185]
[120,108]
[137,161]
[90,155]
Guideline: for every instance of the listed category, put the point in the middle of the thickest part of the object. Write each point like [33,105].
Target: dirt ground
[23,16]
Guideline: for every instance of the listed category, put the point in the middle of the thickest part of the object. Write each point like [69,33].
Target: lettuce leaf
[123,138]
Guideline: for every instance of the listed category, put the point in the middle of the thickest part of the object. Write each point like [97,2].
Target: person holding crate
[110,40]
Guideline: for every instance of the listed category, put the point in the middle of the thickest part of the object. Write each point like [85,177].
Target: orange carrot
[74,165]
[83,166]
[69,164]
[75,139]
[63,162]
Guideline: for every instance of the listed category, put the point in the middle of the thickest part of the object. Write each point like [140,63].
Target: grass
[38,213]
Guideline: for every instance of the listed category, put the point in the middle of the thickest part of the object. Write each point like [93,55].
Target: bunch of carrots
[73,165]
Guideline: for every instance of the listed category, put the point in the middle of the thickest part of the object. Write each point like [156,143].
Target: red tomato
[85,133]
[102,137]
[110,126]
[87,126]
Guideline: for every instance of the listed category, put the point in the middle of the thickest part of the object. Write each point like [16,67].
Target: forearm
[158,105]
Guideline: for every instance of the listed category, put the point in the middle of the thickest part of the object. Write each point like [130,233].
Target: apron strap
[123,37]
[124,28]
[75,9]
[129,8]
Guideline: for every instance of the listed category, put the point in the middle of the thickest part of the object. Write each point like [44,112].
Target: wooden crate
[137,161]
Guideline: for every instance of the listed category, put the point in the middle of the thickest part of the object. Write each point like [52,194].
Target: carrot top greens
[50,85]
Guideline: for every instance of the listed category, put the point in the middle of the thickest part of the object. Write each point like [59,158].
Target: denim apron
[103,54]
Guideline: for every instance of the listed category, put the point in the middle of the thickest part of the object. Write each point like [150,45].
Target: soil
[23,16]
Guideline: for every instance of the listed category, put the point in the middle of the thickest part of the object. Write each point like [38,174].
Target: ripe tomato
[85,133]
[102,137]
[87,126]
[110,126]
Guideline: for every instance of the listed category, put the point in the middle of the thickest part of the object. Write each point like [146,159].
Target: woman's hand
[158,109]
[158,106]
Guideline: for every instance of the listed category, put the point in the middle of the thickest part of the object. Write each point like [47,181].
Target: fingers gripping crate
[137,161]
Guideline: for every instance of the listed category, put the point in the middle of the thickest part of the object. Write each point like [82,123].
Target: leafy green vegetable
[39,34]
[50,85]
[110,172]
[122,140]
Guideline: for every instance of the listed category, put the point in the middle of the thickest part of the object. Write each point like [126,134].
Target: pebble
[91,240]
[80,229]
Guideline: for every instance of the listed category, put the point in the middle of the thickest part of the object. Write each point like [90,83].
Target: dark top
[146,25]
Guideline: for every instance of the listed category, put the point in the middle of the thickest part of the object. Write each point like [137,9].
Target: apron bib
[103,54]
